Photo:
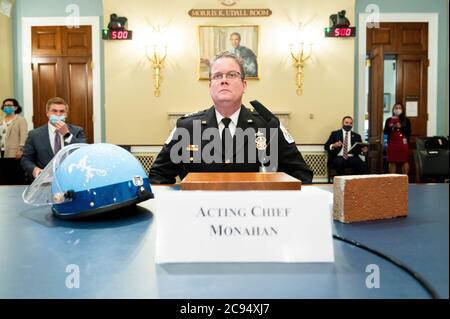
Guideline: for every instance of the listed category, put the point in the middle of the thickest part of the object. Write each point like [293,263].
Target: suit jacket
[38,150]
[290,161]
[248,58]
[16,135]
[338,136]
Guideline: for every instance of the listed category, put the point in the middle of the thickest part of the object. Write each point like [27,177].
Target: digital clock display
[340,32]
[117,34]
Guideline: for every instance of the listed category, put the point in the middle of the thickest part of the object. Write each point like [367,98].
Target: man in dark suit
[45,141]
[338,145]
[247,55]
[199,143]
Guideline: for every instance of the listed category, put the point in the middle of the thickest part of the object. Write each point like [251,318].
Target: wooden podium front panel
[240,181]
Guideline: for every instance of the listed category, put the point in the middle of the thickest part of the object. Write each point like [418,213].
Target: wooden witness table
[240,181]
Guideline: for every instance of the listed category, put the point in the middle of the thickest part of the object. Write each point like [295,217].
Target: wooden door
[409,43]
[78,75]
[46,41]
[412,87]
[47,73]
[411,91]
[375,109]
[61,64]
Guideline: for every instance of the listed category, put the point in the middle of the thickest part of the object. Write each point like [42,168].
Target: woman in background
[398,129]
[13,130]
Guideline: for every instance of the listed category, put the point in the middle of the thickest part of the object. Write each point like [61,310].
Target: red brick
[359,198]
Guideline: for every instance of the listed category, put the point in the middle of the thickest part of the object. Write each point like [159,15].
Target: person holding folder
[398,130]
[339,146]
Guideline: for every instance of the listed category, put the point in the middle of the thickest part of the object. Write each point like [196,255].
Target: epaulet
[193,114]
[252,110]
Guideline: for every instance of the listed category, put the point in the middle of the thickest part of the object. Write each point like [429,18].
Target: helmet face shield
[40,193]
[92,179]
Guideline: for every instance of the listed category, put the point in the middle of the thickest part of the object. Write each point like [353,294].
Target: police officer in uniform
[223,122]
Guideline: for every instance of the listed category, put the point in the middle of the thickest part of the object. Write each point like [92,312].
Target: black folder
[356,148]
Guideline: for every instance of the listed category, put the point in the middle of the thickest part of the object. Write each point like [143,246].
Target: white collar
[51,128]
[344,131]
[234,117]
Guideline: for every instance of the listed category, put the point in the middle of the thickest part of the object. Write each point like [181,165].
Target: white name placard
[244,226]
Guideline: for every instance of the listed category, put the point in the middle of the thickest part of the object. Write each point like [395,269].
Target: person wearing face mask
[13,130]
[45,141]
[398,129]
[338,145]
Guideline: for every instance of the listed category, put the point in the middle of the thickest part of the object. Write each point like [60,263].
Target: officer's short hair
[57,100]
[229,55]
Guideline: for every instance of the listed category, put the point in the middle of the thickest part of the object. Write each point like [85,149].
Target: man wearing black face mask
[338,145]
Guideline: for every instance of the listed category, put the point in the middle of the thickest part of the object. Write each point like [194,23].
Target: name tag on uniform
[247,226]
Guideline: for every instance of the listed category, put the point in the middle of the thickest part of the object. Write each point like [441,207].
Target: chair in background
[331,172]
[431,158]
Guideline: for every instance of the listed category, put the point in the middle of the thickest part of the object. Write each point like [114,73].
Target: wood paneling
[46,74]
[412,86]
[79,88]
[375,109]
[46,41]
[62,67]
[385,36]
[399,38]
[77,41]
[413,37]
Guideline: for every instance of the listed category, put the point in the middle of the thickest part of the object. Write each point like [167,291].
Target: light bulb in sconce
[300,52]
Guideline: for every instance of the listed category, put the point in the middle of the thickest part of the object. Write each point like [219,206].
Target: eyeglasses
[229,75]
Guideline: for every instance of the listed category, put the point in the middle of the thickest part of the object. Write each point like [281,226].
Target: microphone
[265,114]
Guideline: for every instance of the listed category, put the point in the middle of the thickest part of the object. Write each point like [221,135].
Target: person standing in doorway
[398,130]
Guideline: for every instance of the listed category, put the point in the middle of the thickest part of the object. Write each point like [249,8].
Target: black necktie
[227,140]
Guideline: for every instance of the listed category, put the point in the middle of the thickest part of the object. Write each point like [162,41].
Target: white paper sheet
[412,108]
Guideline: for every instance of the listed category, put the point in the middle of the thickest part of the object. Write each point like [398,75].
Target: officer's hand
[62,127]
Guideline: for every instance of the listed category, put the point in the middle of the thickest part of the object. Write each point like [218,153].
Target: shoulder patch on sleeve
[288,137]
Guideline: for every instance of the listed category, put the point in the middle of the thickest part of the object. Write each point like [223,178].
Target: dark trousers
[11,172]
[354,162]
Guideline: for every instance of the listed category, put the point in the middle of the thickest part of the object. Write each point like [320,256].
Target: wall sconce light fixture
[300,53]
[156,54]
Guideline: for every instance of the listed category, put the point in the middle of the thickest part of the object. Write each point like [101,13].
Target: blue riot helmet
[89,179]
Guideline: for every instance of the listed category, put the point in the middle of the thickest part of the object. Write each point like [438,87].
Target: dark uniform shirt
[164,170]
